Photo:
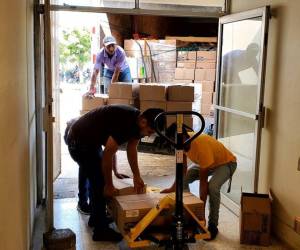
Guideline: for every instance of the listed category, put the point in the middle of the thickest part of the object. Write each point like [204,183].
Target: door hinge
[40,8]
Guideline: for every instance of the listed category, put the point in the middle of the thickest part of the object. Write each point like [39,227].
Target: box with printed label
[205,65]
[95,102]
[206,55]
[130,209]
[186,64]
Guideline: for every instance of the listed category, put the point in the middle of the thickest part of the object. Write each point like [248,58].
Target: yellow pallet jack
[177,235]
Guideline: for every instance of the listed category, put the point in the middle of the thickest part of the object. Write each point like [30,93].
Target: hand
[109,191]
[168,190]
[91,93]
[121,176]
[138,184]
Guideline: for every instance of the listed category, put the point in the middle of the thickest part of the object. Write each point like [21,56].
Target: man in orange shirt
[213,159]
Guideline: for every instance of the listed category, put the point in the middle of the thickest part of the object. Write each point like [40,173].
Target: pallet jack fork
[178,237]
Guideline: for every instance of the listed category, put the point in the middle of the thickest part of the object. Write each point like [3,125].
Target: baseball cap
[109,40]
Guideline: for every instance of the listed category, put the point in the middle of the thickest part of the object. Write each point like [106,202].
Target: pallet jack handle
[172,113]
[179,238]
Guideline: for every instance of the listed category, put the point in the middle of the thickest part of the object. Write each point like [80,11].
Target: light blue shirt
[118,59]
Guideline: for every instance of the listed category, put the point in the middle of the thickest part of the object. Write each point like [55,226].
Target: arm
[116,74]
[133,162]
[110,150]
[173,187]
[203,184]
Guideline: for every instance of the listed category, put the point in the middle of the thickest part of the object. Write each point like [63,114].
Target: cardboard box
[144,105]
[207,97]
[206,109]
[125,186]
[180,106]
[182,55]
[92,103]
[206,65]
[205,74]
[122,90]
[181,93]
[182,81]
[206,55]
[121,101]
[208,86]
[152,92]
[130,209]
[192,55]
[255,219]
[186,64]
[132,48]
[184,74]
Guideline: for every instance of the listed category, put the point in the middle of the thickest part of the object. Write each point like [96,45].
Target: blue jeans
[90,161]
[218,177]
[124,76]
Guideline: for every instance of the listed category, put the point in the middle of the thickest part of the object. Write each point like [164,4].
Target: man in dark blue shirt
[109,126]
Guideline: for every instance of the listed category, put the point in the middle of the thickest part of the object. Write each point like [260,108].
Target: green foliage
[75,47]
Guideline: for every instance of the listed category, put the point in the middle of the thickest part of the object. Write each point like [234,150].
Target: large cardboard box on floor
[130,209]
[95,102]
[144,105]
[181,93]
[125,186]
[184,74]
[206,109]
[123,90]
[152,92]
[255,219]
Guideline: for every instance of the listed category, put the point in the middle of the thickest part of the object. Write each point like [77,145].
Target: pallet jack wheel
[185,247]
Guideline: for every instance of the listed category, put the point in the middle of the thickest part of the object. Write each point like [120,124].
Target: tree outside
[75,55]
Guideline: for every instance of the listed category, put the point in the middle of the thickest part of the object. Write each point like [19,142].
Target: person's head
[109,43]
[252,50]
[146,121]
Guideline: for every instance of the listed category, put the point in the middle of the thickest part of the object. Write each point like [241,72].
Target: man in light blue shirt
[113,58]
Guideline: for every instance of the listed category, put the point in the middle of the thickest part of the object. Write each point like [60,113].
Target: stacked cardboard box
[255,219]
[186,64]
[205,74]
[180,98]
[152,95]
[123,93]
[130,209]
[158,55]
[92,103]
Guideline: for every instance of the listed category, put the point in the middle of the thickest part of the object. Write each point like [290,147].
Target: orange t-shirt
[207,152]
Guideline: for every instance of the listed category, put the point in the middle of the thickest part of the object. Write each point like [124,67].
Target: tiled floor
[66,216]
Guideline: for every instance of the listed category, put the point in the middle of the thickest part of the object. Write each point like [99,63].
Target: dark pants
[83,187]
[90,162]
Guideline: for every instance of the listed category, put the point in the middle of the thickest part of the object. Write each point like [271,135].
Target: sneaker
[107,234]
[84,208]
[213,231]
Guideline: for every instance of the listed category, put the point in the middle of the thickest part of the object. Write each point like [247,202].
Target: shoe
[106,234]
[213,231]
[92,224]
[84,208]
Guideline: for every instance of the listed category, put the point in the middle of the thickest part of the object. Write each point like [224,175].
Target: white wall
[17,125]
[281,137]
